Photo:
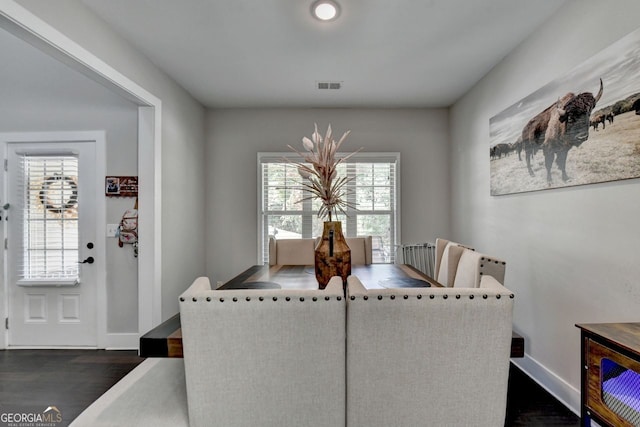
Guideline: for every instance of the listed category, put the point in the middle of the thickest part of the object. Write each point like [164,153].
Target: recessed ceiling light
[325,10]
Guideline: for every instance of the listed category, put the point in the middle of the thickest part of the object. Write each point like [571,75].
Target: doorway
[23,24]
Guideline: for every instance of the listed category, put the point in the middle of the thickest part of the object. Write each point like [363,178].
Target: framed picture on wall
[112,187]
[581,128]
[121,186]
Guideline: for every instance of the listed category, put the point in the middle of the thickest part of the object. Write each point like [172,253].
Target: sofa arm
[490,282]
[201,284]
[334,287]
[355,287]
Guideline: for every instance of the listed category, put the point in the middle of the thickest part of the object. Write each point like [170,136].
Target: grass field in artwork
[609,154]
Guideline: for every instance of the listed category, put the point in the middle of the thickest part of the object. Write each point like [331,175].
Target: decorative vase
[332,254]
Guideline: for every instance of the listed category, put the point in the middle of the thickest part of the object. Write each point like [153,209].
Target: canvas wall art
[581,128]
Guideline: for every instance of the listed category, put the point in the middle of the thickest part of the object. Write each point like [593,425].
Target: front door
[50,247]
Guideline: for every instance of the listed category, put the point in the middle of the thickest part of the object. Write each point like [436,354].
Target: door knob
[89,260]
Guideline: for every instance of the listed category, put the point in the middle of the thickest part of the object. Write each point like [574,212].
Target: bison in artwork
[499,150]
[595,122]
[636,106]
[561,126]
[517,147]
[609,117]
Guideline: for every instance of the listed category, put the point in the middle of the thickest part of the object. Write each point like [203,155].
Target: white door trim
[98,138]
[22,23]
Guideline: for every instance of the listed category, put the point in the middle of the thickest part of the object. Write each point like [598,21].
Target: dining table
[165,340]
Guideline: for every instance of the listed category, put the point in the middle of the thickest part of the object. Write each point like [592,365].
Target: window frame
[366,157]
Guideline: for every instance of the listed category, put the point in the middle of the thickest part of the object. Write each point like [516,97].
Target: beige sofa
[269,358]
[428,356]
[384,357]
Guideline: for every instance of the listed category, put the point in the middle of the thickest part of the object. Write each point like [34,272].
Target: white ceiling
[271,53]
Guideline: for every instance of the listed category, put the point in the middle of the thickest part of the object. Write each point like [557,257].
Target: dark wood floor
[72,379]
[528,404]
[32,380]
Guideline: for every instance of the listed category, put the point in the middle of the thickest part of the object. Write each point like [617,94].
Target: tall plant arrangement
[320,174]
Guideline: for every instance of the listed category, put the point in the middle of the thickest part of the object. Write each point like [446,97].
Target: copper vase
[332,254]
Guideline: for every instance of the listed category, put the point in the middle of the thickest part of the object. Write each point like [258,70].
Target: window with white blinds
[374,190]
[48,192]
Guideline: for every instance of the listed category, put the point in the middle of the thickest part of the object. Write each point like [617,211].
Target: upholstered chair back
[473,265]
[441,244]
[291,251]
[269,358]
[428,356]
[301,251]
[361,250]
[446,260]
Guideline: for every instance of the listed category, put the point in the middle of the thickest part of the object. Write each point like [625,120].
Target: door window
[48,190]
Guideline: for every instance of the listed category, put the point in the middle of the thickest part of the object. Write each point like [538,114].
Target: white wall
[572,253]
[235,136]
[41,94]
[182,141]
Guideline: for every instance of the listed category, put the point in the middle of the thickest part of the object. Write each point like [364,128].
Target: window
[374,190]
[48,187]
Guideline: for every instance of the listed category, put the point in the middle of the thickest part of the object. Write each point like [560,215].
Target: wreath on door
[49,197]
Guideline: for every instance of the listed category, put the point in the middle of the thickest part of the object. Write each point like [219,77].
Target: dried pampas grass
[319,170]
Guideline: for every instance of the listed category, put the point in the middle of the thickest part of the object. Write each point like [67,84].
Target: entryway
[20,22]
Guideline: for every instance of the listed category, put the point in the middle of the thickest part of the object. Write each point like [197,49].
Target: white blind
[373,190]
[48,192]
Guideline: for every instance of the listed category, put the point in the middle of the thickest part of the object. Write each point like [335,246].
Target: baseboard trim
[123,341]
[568,395]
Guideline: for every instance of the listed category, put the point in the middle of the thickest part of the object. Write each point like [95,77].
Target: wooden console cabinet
[607,348]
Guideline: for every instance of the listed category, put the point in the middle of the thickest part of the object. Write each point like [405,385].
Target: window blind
[373,190]
[48,217]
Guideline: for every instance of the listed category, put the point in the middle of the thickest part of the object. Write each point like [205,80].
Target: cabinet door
[613,386]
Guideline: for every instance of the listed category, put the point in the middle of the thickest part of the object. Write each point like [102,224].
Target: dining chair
[361,250]
[472,266]
[447,257]
[291,251]
[302,251]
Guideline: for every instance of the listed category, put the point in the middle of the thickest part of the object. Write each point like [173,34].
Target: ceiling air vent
[329,85]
